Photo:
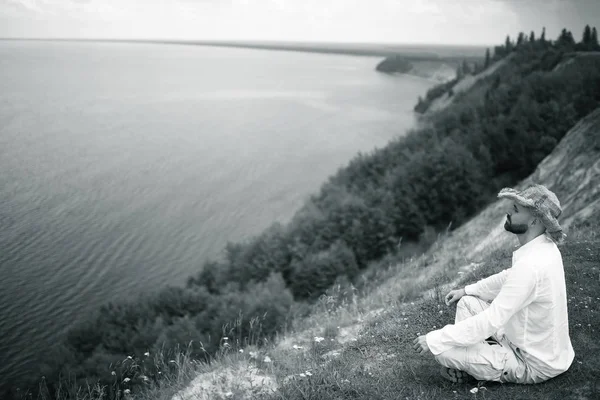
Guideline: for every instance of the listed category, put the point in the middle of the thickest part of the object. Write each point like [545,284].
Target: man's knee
[467,306]
[468,301]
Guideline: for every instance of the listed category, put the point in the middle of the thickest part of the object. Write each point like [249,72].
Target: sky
[477,22]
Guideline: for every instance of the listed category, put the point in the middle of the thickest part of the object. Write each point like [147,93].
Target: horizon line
[249,41]
[369,49]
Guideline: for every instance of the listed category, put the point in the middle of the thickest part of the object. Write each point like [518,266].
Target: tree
[520,39]
[532,37]
[459,71]
[466,68]
[487,58]
[587,37]
[594,39]
[543,36]
[508,46]
[313,275]
[565,40]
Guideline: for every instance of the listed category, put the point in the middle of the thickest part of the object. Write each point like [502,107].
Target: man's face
[518,219]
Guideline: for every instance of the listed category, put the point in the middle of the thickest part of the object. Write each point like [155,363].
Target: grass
[382,365]
[358,344]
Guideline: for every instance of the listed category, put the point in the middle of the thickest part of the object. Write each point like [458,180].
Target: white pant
[500,362]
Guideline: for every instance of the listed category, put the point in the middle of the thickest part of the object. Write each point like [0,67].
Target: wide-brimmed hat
[543,203]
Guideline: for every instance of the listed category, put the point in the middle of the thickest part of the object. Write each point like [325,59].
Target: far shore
[415,52]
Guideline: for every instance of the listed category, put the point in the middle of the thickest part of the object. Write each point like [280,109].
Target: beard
[517,229]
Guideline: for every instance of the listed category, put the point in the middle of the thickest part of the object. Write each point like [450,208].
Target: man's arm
[517,292]
[488,288]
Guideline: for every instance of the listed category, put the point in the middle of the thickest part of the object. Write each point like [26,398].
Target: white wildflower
[126,380]
[113,373]
[267,359]
[308,373]
[229,394]
[129,357]
[241,350]
[474,390]
[126,391]
[172,361]
[296,347]
[319,339]
[225,338]
[147,354]
[253,354]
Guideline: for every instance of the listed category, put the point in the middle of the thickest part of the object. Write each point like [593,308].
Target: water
[125,166]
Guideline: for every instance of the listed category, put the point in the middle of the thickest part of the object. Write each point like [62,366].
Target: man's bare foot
[456,376]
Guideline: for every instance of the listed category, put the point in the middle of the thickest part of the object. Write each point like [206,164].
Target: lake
[124,167]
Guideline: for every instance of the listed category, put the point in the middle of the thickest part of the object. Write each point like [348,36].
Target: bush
[313,275]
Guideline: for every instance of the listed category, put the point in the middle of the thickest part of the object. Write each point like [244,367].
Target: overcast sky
[391,21]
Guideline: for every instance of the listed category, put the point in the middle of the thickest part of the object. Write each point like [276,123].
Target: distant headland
[430,61]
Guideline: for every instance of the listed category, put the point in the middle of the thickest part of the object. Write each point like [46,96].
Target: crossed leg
[486,361]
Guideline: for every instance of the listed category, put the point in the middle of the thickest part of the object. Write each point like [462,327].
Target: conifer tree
[587,36]
[594,39]
[487,58]
[543,37]
[508,45]
[565,39]
[570,39]
[563,35]
[532,37]
[520,39]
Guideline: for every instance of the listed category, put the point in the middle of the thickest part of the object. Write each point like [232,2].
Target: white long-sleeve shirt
[529,303]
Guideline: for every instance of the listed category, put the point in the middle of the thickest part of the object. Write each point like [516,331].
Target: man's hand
[454,295]
[420,345]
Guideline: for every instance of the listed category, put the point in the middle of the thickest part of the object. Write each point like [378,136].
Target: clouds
[400,21]
[555,14]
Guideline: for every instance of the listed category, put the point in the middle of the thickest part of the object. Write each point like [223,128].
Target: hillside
[464,86]
[356,248]
[365,352]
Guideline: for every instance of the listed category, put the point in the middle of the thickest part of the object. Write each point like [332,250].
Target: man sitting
[523,335]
